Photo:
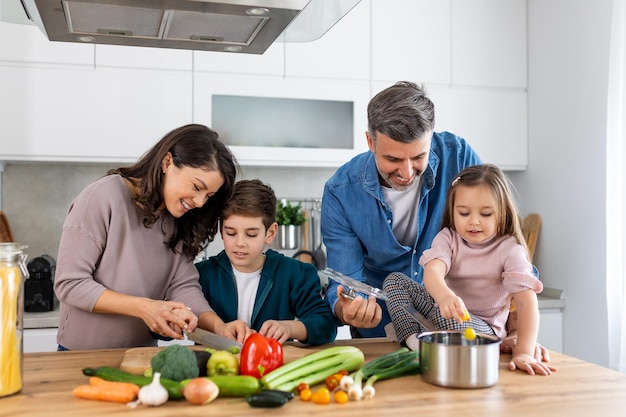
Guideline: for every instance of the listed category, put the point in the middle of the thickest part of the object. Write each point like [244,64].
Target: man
[383,208]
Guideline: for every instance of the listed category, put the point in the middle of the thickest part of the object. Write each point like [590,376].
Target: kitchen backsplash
[35,196]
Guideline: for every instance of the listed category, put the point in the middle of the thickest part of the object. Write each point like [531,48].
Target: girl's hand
[452,307]
[276,330]
[530,365]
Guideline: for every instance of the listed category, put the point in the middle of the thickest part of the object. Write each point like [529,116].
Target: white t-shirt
[247,285]
[404,207]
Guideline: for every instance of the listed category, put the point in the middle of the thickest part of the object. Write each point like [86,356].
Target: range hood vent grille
[106,19]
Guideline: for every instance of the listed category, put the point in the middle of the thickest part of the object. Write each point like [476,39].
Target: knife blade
[211,339]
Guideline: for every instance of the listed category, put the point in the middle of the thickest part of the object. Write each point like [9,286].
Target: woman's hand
[166,318]
[360,313]
[169,318]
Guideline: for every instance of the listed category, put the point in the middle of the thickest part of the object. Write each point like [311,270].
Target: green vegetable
[222,362]
[234,385]
[175,362]
[267,399]
[114,374]
[401,362]
[314,368]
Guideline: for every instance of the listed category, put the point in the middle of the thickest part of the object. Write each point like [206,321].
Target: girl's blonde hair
[491,177]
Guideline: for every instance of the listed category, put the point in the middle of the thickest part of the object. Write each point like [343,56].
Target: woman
[125,269]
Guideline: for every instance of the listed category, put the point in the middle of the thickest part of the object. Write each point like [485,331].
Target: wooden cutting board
[137,360]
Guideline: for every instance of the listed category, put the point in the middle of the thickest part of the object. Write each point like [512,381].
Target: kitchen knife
[211,339]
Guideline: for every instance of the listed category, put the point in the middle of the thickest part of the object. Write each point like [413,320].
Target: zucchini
[174,389]
[267,399]
[236,385]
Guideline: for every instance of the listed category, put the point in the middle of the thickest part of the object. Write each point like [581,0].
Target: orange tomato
[341,397]
[305,394]
[321,396]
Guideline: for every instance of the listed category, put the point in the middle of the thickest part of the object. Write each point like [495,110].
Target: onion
[200,391]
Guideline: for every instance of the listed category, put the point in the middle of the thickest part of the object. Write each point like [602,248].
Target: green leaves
[287,214]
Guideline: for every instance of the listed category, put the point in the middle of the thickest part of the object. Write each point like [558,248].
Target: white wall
[565,181]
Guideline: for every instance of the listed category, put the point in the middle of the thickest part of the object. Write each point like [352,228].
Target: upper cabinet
[489,45]
[479,43]
[411,41]
[342,53]
[66,101]
[283,122]
[85,115]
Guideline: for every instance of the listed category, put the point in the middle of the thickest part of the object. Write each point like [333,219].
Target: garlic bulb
[153,394]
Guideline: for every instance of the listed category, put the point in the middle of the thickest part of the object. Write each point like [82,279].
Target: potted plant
[290,219]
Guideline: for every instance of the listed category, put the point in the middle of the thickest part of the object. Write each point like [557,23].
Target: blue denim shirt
[357,222]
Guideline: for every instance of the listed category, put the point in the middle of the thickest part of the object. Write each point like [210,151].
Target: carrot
[103,390]
[113,385]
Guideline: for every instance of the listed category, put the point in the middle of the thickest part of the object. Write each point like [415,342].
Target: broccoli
[175,362]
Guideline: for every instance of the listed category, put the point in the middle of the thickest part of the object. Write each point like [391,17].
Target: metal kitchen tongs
[353,286]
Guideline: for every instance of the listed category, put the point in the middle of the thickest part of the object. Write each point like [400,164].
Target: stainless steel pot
[448,359]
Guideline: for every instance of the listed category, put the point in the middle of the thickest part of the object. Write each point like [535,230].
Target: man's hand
[360,313]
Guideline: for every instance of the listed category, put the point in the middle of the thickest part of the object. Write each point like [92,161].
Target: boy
[277,296]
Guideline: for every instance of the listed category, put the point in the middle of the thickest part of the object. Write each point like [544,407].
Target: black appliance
[38,291]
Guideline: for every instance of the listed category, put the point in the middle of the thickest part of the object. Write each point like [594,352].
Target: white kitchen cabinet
[40,340]
[489,43]
[27,45]
[342,53]
[271,63]
[493,121]
[351,91]
[88,115]
[411,41]
[137,57]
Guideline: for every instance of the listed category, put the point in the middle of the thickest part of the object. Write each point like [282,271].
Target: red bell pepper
[260,355]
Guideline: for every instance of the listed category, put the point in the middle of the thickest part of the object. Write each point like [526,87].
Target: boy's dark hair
[252,198]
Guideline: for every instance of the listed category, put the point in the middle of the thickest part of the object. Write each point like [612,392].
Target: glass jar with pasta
[13,272]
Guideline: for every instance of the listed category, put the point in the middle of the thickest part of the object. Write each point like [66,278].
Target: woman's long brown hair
[195,146]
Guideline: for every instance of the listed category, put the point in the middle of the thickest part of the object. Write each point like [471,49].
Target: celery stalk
[314,366]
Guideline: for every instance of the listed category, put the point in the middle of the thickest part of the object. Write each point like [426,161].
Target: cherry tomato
[341,397]
[469,333]
[332,382]
[321,396]
[305,394]
[343,372]
[302,386]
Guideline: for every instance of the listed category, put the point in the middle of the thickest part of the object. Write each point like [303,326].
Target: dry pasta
[11,334]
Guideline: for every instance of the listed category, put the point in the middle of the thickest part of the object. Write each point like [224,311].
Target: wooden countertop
[577,389]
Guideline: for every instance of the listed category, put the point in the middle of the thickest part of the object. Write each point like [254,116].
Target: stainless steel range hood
[244,26]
